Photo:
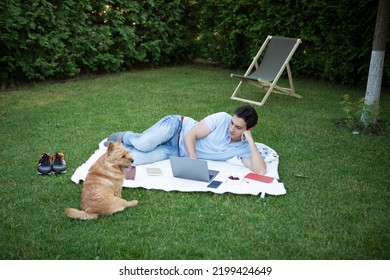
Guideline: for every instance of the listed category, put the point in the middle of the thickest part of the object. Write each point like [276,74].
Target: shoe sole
[51,172]
[41,173]
[60,172]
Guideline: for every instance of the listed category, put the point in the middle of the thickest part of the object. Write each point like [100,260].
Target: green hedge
[41,39]
[337,35]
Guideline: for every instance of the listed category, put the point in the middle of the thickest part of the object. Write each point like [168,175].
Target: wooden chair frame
[268,85]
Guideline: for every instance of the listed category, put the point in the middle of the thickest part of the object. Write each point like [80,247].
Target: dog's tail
[79,214]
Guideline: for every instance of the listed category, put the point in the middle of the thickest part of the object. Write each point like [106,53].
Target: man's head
[244,118]
[248,114]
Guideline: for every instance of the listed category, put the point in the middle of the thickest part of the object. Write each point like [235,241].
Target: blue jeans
[156,143]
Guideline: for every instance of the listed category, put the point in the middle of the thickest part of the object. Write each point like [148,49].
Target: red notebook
[258,177]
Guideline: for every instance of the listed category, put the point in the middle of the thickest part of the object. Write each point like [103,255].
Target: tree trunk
[374,82]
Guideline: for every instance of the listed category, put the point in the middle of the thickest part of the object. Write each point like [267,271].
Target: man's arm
[199,131]
[255,162]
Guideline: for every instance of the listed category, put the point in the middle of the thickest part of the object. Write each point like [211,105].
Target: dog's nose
[131,160]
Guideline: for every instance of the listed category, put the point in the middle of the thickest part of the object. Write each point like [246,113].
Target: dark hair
[248,114]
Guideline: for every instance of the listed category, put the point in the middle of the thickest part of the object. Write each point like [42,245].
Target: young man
[217,137]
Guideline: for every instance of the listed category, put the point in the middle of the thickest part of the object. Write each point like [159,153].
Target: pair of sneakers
[48,164]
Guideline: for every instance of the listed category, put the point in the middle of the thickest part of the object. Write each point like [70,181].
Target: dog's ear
[110,147]
[119,141]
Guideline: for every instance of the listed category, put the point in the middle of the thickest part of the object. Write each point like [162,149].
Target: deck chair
[266,75]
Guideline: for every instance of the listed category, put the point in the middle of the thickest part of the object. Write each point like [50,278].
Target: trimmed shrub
[337,35]
[42,39]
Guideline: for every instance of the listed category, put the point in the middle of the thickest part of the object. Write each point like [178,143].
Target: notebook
[191,169]
[258,177]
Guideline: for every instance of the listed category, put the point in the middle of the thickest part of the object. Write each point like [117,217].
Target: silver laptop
[192,169]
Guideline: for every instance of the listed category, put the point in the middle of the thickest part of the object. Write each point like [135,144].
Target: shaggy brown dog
[102,187]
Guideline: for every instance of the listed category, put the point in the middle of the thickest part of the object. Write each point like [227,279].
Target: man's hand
[247,135]
[255,162]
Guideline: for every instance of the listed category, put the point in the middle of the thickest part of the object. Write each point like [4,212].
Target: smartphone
[214,184]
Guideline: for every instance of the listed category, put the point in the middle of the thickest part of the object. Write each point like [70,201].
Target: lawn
[339,210]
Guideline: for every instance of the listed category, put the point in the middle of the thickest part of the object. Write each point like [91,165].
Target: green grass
[340,211]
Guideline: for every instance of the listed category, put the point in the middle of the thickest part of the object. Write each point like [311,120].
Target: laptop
[191,169]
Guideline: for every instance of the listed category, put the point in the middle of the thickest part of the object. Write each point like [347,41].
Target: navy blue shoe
[59,164]
[44,164]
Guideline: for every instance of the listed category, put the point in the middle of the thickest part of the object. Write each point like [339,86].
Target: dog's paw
[132,203]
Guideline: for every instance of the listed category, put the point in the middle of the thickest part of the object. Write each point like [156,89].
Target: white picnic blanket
[227,168]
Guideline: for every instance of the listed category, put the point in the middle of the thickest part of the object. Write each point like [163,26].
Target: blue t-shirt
[216,145]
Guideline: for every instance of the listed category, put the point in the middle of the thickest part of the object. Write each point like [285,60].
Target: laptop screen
[192,169]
